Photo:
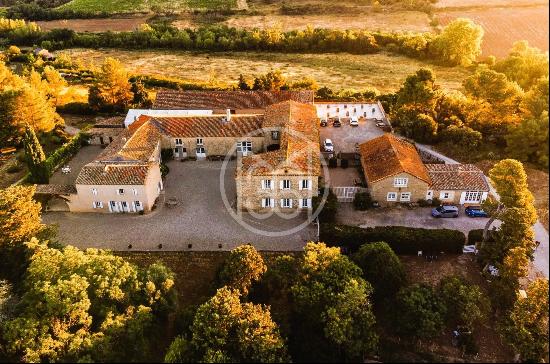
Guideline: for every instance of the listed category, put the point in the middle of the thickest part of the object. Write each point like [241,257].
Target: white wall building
[369,110]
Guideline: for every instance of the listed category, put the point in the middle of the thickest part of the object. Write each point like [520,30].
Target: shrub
[362,201]
[344,163]
[14,168]
[77,108]
[164,170]
[424,203]
[436,201]
[65,152]
[329,210]
[402,239]
[332,162]
[167,154]
[476,236]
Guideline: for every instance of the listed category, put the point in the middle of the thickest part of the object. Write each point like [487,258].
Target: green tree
[535,101]
[515,208]
[270,81]
[465,303]
[459,43]
[180,351]
[243,267]
[461,136]
[524,64]
[381,267]
[226,330]
[35,157]
[528,141]
[332,306]
[419,312]
[419,89]
[31,107]
[19,215]
[494,87]
[82,305]
[526,327]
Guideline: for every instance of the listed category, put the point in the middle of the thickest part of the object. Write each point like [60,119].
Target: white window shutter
[263,202]
[309,184]
[281,203]
[93,204]
[300,187]
[272,184]
[309,202]
[272,202]
[301,202]
[263,184]
[281,184]
[290,200]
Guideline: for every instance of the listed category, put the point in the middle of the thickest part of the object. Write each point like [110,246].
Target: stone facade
[379,190]
[212,145]
[252,189]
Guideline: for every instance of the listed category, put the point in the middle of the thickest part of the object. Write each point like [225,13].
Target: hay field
[384,71]
[505,25]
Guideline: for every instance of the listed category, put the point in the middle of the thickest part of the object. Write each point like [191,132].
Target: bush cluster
[402,239]
[65,152]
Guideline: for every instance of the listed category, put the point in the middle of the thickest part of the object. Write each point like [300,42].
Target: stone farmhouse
[258,128]
[395,173]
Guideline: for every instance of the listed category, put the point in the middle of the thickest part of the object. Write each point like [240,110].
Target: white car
[328,146]
[354,121]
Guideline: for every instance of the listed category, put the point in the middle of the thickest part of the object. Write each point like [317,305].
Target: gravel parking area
[345,137]
[419,217]
[200,218]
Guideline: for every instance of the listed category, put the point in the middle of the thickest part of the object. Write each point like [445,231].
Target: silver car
[445,211]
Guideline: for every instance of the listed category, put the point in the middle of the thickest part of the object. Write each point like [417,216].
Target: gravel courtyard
[200,218]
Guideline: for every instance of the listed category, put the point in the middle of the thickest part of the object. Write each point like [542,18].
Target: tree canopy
[460,42]
[243,267]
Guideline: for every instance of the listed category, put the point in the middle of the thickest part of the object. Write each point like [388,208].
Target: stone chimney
[228,114]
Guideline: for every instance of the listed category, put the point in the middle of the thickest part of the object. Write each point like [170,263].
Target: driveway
[419,217]
[345,137]
[200,218]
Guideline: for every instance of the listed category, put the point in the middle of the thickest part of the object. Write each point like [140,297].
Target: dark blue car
[475,211]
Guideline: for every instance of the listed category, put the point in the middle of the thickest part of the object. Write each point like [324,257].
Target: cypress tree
[36,159]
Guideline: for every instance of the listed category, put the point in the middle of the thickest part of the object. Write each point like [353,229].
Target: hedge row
[476,236]
[65,152]
[402,239]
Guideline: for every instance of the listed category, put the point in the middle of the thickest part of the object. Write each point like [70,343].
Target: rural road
[540,262]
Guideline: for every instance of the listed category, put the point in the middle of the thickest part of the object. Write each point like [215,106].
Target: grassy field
[505,25]
[390,21]
[95,25]
[131,6]
[384,71]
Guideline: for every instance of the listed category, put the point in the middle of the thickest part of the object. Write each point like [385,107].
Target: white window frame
[400,182]
[98,205]
[179,141]
[200,141]
[305,203]
[408,199]
[286,203]
[244,146]
[446,195]
[135,191]
[394,198]
[120,191]
[477,194]
[94,191]
[305,184]
[268,202]
[285,182]
[275,135]
[267,184]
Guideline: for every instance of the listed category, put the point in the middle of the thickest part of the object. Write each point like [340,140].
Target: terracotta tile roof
[457,177]
[113,174]
[209,100]
[105,132]
[299,153]
[56,189]
[387,155]
[208,126]
[133,144]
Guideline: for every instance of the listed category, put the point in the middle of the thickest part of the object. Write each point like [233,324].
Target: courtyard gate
[346,194]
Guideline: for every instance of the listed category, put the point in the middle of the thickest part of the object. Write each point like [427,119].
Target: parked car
[445,211]
[380,124]
[324,122]
[354,121]
[336,123]
[475,211]
[328,146]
